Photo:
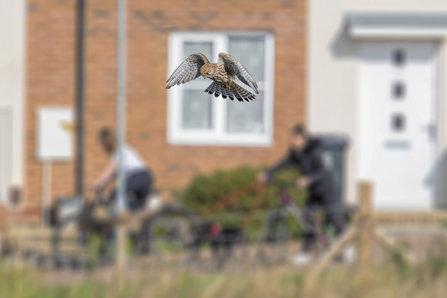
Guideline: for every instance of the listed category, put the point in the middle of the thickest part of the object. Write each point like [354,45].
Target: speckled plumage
[223,73]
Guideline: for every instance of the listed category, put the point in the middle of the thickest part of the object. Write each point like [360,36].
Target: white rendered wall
[12,77]
[333,80]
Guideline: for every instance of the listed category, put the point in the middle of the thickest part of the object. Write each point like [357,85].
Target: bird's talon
[227,87]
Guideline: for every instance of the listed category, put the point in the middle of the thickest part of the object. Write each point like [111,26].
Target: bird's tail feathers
[235,91]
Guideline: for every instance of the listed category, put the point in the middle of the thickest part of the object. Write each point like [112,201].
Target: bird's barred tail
[235,91]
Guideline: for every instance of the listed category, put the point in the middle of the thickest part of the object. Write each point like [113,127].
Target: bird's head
[207,71]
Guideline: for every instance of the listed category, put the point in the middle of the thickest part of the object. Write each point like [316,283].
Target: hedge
[205,191]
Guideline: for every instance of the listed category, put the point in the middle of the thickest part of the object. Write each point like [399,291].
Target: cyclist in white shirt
[139,179]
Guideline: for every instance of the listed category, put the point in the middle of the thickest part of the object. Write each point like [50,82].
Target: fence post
[365,224]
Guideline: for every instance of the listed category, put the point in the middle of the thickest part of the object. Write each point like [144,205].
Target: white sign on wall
[55,140]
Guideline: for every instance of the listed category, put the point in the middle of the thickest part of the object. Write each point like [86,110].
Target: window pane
[196,109]
[250,52]
[197,105]
[205,48]
[246,117]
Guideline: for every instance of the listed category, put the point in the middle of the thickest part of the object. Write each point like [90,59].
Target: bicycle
[273,242]
[161,234]
[90,239]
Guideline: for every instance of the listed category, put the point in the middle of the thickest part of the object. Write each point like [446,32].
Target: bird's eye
[207,72]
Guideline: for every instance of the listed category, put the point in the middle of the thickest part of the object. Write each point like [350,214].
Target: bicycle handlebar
[284,185]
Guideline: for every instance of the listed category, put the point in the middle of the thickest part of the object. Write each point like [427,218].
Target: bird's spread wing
[188,70]
[235,68]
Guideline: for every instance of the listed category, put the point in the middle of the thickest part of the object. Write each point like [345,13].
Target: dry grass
[393,279]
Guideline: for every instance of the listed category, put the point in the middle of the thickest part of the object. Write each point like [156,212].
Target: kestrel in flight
[223,73]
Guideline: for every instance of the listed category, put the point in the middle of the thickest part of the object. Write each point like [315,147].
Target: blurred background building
[178,133]
[370,70]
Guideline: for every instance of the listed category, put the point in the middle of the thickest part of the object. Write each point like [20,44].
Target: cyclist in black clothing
[305,155]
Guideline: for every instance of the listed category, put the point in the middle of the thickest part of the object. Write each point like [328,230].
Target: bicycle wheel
[230,249]
[168,236]
[273,241]
[77,245]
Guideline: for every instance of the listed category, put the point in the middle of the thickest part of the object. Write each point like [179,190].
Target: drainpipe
[79,96]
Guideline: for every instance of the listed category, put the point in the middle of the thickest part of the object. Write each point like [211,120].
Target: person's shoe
[153,204]
[301,259]
[349,254]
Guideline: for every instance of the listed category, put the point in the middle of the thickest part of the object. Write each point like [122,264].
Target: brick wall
[51,80]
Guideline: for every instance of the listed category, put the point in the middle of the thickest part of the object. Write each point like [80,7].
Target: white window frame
[218,136]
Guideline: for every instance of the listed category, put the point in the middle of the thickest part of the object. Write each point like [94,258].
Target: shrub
[205,191]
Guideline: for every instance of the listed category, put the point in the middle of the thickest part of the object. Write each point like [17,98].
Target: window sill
[241,140]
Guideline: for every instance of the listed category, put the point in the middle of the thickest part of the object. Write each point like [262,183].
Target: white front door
[397,122]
